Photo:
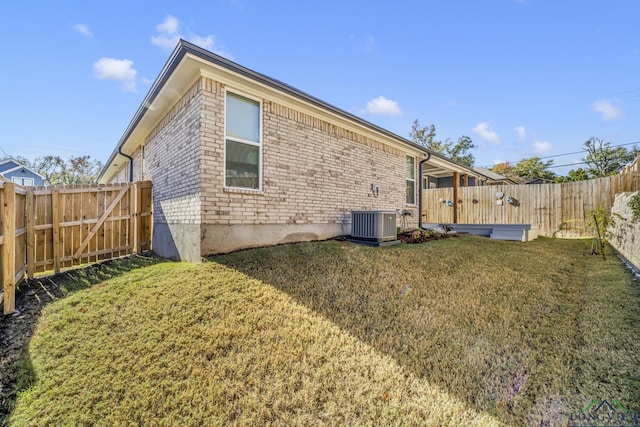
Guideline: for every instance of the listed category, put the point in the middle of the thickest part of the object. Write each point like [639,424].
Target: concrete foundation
[217,239]
[177,241]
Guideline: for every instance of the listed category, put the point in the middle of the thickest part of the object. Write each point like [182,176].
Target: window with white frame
[242,142]
[26,182]
[411,180]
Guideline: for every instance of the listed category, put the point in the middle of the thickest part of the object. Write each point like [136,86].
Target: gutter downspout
[130,163]
[420,189]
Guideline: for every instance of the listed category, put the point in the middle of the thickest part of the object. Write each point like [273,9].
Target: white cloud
[542,147]
[499,161]
[169,36]
[170,25]
[485,131]
[521,131]
[170,33]
[120,70]
[366,44]
[383,106]
[609,109]
[207,42]
[83,29]
[369,44]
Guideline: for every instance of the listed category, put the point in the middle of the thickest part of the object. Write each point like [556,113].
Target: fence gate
[50,228]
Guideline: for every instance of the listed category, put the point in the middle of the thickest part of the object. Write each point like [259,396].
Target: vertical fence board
[20,235]
[31,244]
[55,217]
[2,192]
[8,247]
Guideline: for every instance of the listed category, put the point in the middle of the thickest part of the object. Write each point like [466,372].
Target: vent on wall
[379,226]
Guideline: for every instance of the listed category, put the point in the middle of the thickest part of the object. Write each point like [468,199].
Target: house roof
[7,164]
[16,167]
[540,181]
[188,62]
[494,176]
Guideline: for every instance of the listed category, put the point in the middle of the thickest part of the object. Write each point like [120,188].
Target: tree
[604,160]
[53,168]
[423,136]
[83,170]
[574,175]
[504,169]
[527,169]
[77,170]
[458,152]
[533,168]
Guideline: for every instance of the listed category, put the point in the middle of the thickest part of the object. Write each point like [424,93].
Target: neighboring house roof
[496,177]
[8,166]
[189,61]
[540,181]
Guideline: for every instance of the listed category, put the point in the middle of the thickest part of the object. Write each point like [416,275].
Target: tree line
[57,171]
[601,158]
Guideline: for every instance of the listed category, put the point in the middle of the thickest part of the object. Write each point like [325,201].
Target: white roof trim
[20,167]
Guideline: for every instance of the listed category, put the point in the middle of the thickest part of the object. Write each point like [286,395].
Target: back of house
[239,160]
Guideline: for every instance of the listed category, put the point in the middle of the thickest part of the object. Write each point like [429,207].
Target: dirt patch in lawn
[422,236]
[31,297]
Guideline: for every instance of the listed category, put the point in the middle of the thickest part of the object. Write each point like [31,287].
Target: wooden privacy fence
[560,210]
[49,228]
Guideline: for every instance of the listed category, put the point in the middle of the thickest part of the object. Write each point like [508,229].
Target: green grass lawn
[464,331]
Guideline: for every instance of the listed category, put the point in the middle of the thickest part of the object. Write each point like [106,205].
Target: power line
[566,154]
[624,93]
[581,163]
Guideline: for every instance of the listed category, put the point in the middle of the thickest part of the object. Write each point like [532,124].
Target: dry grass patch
[454,332]
[179,344]
[524,332]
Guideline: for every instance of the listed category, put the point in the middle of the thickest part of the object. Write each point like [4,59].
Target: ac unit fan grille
[373,225]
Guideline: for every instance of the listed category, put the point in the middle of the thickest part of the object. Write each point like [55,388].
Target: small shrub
[634,204]
[600,221]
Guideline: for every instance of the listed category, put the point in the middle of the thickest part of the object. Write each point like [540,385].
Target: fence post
[133,227]
[55,217]
[8,248]
[456,184]
[31,247]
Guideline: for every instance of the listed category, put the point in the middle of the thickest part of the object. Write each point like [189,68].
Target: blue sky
[520,77]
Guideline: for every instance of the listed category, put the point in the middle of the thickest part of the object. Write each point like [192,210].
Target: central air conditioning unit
[377,226]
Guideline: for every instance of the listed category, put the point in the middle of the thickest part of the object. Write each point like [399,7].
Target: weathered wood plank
[8,247]
[101,221]
[55,218]
[31,238]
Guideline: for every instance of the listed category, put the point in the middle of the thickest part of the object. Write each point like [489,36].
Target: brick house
[238,160]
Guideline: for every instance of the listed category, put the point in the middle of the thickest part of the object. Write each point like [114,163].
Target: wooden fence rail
[560,210]
[49,228]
